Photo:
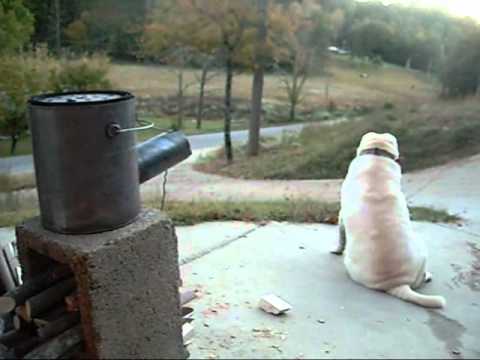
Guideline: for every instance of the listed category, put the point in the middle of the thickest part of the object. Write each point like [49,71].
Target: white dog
[381,251]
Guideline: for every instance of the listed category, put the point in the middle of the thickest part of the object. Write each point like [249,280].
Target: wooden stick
[71,301]
[20,324]
[48,298]
[21,311]
[17,322]
[58,326]
[11,265]
[57,346]
[32,286]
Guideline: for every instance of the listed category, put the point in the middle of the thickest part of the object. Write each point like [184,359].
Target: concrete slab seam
[204,252]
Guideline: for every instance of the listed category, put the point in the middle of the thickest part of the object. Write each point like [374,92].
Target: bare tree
[294,82]
[206,75]
[230,19]
[180,57]
[304,39]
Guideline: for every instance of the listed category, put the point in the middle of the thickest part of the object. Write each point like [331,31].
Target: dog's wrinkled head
[386,142]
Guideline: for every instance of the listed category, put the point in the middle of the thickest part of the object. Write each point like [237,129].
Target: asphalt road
[22,164]
[205,141]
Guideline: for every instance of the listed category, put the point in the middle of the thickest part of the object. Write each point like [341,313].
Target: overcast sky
[457,7]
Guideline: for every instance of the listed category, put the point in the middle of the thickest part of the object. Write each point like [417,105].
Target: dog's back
[381,252]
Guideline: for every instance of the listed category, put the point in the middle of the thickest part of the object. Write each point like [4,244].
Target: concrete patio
[332,317]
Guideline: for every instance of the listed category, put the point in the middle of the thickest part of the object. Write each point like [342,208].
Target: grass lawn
[24,147]
[189,213]
[428,135]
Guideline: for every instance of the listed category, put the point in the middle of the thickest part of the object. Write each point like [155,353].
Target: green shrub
[388,106]
[87,73]
[32,73]
[21,76]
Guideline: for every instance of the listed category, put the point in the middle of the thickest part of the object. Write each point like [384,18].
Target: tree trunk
[255,120]
[258,80]
[293,95]
[203,80]
[58,40]
[180,100]
[228,105]
[293,106]
[13,145]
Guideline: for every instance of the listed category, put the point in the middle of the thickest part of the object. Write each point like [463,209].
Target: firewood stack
[41,318]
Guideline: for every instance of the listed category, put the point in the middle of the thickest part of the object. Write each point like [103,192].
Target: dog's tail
[406,293]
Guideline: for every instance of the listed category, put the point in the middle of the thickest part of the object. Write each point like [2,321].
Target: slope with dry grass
[428,135]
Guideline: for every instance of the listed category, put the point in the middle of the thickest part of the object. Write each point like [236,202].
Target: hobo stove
[124,259]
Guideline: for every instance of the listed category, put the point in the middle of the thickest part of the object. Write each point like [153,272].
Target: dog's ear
[370,135]
[390,138]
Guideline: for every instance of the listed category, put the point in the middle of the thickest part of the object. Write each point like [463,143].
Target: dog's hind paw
[337,252]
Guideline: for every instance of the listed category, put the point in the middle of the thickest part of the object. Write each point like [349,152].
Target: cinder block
[127,282]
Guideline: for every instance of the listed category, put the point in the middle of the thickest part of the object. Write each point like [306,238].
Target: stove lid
[80,98]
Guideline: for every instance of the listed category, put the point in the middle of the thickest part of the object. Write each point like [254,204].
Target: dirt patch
[471,276]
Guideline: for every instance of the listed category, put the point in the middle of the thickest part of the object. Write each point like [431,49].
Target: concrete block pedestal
[127,282]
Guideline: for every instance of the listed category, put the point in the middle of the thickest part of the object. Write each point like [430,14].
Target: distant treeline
[424,39]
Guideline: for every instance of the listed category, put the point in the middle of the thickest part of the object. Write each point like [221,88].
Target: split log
[47,299]
[5,274]
[13,337]
[186,310]
[58,326]
[6,353]
[57,346]
[187,333]
[27,345]
[187,314]
[32,287]
[6,323]
[186,296]
[48,317]
[75,352]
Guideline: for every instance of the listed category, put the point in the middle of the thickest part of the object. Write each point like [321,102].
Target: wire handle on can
[114,128]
